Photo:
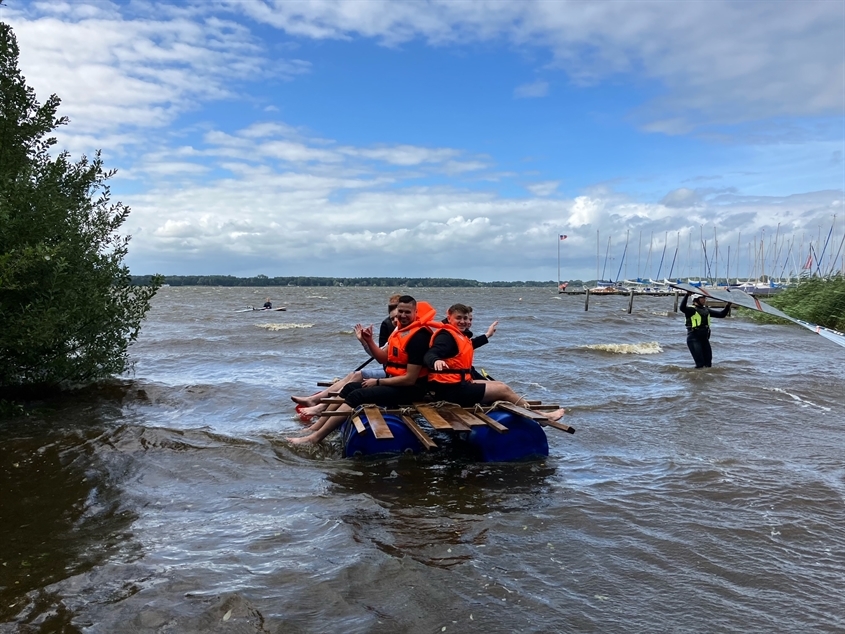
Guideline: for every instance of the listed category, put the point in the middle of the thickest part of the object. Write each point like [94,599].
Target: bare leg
[319,408]
[313,401]
[498,391]
[329,426]
[323,419]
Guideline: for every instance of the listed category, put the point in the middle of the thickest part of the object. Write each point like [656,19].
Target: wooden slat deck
[377,424]
[527,413]
[432,416]
[491,422]
[359,425]
[424,438]
[464,416]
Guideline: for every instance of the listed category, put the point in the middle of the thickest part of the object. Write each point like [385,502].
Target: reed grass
[818,301]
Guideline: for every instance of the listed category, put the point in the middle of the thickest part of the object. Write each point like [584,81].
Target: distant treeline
[388,282]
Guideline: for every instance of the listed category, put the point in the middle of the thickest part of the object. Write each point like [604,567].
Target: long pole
[597,256]
[558,261]
[627,233]
[660,268]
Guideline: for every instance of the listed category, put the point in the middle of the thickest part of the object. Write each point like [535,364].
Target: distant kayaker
[697,323]
[268,304]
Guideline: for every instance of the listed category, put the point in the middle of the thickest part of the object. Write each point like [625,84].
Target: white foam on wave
[794,397]
[645,347]
[283,326]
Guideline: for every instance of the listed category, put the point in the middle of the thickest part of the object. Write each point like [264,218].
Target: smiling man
[402,358]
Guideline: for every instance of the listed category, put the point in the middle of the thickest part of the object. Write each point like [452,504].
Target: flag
[562,237]
[809,263]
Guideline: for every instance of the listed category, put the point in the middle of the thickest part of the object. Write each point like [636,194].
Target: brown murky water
[689,501]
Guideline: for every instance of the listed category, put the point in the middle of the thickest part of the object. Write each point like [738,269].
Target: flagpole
[558,262]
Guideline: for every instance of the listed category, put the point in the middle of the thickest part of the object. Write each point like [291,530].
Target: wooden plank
[545,408]
[560,426]
[527,413]
[520,411]
[432,416]
[359,425]
[454,420]
[377,424]
[325,383]
[332,400]
[491,422]
[464,416]
[424,438]
[534,402]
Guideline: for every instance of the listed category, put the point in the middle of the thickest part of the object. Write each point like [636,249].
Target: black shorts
[463,394]
[385,395]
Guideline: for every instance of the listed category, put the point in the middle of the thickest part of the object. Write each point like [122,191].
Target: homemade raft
[501,432]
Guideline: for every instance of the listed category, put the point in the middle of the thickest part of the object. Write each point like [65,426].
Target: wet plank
[453,419]
[432,416]
[464,416]
[424,438]
[491,422]
[527,413]
[332,400]
[377,424]
[359,424]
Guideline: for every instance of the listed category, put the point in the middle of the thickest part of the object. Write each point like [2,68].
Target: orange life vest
[397,354]
[459,365]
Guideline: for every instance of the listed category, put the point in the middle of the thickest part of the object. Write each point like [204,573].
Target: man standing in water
[697,323]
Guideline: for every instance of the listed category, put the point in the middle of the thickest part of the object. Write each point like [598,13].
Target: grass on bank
[821,302]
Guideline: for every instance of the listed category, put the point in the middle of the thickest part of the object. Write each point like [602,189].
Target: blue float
[524,440]
[357,445]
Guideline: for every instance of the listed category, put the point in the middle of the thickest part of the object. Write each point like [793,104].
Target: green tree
[68,310]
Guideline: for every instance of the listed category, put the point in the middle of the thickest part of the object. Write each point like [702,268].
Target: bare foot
[555,415]
[313,411]
[299,440]
[308,401]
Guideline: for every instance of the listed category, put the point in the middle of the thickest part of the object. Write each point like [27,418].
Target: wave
[283,326]
[645,347]
[794,397]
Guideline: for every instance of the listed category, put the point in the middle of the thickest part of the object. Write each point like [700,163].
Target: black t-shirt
[387,327]
[418,346]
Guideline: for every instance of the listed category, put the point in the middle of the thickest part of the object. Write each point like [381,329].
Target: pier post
[630,301]
[587,300]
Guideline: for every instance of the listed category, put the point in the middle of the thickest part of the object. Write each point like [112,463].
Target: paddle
[364,364]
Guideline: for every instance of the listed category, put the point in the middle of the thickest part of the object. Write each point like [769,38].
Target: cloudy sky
[440,138]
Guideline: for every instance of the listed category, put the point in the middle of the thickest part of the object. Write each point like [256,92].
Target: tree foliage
[387,282]
[68,309]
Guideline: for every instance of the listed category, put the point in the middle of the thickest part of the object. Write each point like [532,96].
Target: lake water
[687,501]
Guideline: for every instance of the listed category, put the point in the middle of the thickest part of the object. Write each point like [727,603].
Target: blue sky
[452,139]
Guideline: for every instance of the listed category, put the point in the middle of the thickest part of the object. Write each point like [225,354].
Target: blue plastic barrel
[365,444]
[524,440]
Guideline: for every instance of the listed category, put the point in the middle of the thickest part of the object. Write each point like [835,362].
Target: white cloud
[545,188]
[720,61]
[116,74]
[532,90]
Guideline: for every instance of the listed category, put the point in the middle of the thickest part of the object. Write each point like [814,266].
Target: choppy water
[687,501]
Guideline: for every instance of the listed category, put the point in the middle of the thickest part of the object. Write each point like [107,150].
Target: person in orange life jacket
[450,361]
[403,360]
[479,341]
[697,323]
[312,404]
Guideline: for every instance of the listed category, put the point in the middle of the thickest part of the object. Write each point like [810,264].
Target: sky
[436,138]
